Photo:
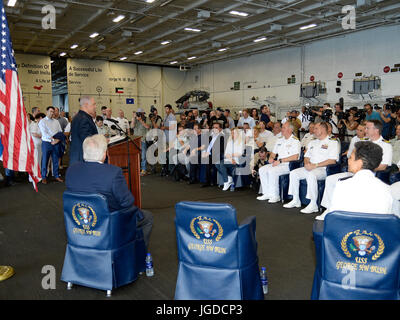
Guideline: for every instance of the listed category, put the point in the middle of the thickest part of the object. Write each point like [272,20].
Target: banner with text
[34,73]
[112,84]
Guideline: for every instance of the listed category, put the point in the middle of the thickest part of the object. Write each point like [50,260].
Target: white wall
[367,52]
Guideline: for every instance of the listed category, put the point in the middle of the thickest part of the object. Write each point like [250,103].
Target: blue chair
[330,169]
[358,257]
[104,249]
[284,180]
[217,258]
[384,175]
[394,177]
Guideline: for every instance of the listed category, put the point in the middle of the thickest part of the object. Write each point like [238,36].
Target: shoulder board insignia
[296,138]
[345,178]
[333,138]
[387,141]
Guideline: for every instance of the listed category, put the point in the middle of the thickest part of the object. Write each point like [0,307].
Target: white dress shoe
[263,197]
[292,204]
[274,200]
[227,185]
[322,216]
[311,208]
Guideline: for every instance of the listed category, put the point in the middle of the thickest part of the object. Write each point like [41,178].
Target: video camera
[393,104]
[327,115]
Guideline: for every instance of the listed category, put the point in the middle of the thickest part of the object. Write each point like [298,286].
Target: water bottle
[149,265]
[264,280]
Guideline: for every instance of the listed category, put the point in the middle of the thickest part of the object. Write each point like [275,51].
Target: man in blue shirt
[371,113]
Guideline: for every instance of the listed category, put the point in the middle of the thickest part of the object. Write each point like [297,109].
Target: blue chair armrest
[384,175]
[395,177]
[295,164]
[333,169]
[247,241]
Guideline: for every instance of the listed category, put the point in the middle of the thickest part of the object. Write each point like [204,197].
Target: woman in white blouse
[233,152]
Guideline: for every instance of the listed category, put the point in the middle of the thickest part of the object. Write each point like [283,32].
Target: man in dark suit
[94,176]
[82,126]
[212,154]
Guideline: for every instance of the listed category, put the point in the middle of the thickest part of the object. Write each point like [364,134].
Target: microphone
[113,127]
[112,120]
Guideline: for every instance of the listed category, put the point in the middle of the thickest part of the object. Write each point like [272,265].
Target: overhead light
[62,54]
[222,49]
[173,62]
[138,52]
[192,29]
[191,58]
[94,35]
[150,1]
[313,25]
[119,18]
[260,39]
[238,13]
[165,42]
[74,46]
[123,58]
[11,3]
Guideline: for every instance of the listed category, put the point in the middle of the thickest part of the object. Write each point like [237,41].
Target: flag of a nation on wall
[18,152]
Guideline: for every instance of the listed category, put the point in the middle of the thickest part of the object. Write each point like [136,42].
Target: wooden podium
[124,154]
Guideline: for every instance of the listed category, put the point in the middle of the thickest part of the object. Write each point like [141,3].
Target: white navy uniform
[362,192]
[269,175]
[317,151]
[353,141]
[124,124]
[331,181]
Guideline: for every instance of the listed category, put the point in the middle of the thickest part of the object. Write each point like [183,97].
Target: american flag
[18,153]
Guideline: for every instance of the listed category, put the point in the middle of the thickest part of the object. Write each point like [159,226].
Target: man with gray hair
[82,127]
[287,148]
[94,176]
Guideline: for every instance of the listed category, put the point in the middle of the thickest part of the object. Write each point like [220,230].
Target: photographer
[260,160]
[349,126]
[295,121]
[155,119]
[140,126]
[386,121]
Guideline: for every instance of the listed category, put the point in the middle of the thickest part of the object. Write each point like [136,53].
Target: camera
[393,104]
[327,115]
[308,112]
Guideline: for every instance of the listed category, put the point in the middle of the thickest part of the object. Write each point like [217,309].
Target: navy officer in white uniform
[287,148]
[363,192]
[321,152]
[373,130]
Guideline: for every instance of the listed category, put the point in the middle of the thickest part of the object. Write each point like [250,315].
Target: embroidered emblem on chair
[206,228]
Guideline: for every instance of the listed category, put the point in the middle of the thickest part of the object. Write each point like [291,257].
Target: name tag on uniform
[324,146]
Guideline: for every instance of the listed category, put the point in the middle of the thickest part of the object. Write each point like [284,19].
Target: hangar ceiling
[184,32]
